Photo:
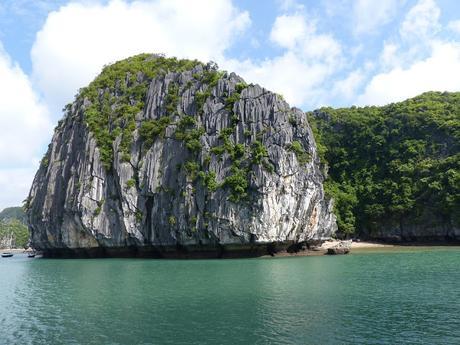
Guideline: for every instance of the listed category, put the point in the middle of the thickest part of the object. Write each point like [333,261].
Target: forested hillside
[11,213]
[13,228]
[394,171]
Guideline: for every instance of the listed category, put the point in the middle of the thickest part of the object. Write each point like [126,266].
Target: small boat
[31,255]
[7,255]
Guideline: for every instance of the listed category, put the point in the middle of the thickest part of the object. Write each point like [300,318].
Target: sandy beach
[14,251]
[362,246]
[357,245]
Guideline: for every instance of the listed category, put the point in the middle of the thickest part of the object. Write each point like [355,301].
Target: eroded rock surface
[233,169]
[343,247]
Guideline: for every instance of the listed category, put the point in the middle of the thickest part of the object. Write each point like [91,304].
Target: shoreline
[359,247]
[366,247]
[360,244]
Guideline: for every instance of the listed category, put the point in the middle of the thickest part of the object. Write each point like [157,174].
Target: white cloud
[289,5]
[334,8]
[289,30]
[389,57]
[346,88]
[297,33]
[371,14]
[418,62]
[436,73]
[299,72]
[454,26]
[15,185]
[297,80]
[78,39]
[422,21]
[23,118]
[24,129]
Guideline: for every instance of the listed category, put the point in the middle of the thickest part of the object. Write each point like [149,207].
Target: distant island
[13,228]
[175,158]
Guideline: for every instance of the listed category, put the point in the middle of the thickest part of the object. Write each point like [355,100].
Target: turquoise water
[408,297]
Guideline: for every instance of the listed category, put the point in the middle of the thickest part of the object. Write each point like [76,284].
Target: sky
[313,52]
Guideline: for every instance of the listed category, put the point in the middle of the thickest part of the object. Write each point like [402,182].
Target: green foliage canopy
[394,162]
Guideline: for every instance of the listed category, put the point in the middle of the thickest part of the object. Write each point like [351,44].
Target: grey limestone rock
[151,204]
[343,247]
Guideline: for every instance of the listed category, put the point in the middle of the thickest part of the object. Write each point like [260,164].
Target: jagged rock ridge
[169,157]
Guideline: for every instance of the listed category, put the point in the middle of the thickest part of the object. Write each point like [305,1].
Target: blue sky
[321,52]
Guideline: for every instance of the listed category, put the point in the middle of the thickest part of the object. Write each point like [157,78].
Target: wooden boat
[7,255]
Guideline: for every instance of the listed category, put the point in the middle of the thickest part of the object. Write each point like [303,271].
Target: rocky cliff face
[165,157]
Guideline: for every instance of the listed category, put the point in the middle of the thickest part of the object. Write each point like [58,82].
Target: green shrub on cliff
[392,163]
[302,156]
[172,99]
[131,183]
[200,99]
[209,180]
[151,129]
[259,152]
[238,183]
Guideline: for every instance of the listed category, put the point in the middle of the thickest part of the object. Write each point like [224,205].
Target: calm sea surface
[410,296]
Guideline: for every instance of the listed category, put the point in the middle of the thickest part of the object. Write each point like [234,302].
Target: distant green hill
[13,213]
[394,171]
[13,228]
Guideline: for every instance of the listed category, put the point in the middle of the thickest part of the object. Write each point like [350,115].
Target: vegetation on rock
[118,94]
[166,152]
[302,156]
[151,129]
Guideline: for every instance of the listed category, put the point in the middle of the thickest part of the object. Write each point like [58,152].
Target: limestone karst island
[163,157]
[167,157]
[228,172]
